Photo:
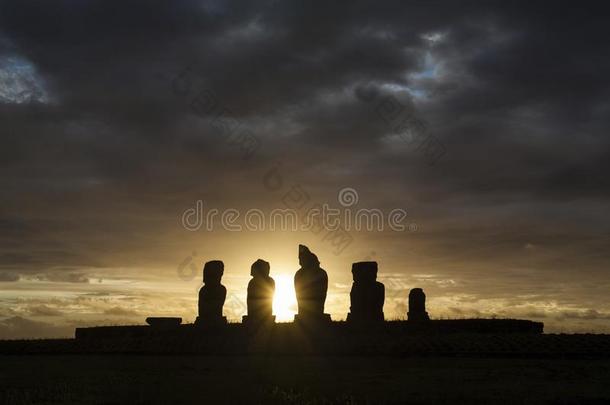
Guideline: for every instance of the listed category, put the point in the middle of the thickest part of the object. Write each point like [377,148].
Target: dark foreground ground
[181,379]
[394,363]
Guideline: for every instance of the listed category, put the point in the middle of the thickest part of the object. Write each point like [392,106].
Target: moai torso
[213,294]
[211,301]
[311,287]
[367,295]
[417,305]
[260,296]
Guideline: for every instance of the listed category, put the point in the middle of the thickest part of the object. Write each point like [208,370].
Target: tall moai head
[307,259]
[260,268]
[417,305]
[364,272]
[212,272]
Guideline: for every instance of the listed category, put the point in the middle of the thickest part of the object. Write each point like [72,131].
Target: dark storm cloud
[96,176]
[264,61]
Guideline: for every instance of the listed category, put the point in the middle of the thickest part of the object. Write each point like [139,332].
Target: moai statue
[367,294]
[311,286]
[417,306]
[260,294]
[212,295]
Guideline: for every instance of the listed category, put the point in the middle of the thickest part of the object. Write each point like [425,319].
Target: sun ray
[284,300]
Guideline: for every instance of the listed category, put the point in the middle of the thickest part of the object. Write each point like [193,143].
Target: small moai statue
[311,286]
[367,295]
[417,306]
[260,294]
[212,295]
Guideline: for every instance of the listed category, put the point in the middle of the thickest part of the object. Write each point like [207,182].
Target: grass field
[145,379]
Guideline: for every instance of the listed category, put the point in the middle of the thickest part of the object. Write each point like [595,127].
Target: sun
[284,300]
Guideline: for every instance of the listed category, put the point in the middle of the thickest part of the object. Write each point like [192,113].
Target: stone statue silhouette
[367,295]
[260,293]
[310,285]
[417,306]
[212,295]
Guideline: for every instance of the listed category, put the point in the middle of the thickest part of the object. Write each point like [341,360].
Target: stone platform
[390,329]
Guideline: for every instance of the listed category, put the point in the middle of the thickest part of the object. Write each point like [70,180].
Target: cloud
[61,277]
[119,311]
[43,310]
[23,328]
[588,314]
[19,82]
[8,277]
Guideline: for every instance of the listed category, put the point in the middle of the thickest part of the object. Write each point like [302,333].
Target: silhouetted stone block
[212,295]
[417,306]
[210,322]
[257,321]
[313,320]
[367,294]
[260,294]
[163,322]
[311,286]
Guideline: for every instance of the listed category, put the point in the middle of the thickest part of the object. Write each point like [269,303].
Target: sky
[485,123]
